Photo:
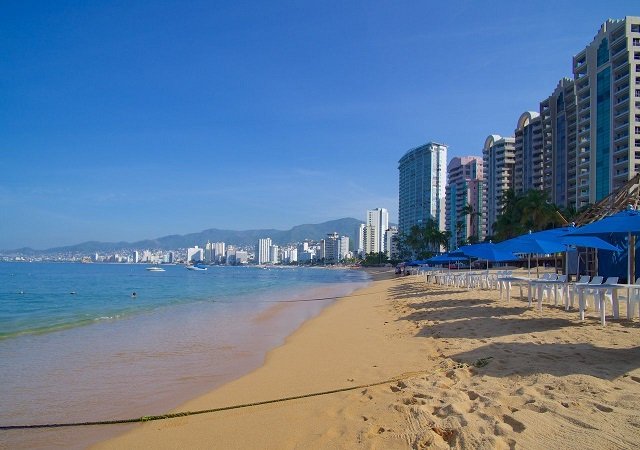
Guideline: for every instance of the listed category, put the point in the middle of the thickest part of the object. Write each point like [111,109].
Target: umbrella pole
[630,259]
[529,264]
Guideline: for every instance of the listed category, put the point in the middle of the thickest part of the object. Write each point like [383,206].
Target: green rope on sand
[404,376]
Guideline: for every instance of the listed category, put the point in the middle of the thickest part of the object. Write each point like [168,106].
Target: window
[603,51]
[635,27]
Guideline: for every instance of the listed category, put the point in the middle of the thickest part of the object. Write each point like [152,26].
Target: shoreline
[292,369]
[205,357]
[478,373]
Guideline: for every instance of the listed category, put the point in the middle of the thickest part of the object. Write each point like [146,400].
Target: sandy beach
[469,371]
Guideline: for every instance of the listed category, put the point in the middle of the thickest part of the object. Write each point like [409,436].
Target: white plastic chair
[592,292]
[546,289]
[584,279]
[608,294]
[632,300]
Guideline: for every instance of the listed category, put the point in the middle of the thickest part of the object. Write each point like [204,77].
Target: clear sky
[125,120]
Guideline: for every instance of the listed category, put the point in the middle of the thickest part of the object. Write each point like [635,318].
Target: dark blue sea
[77,345]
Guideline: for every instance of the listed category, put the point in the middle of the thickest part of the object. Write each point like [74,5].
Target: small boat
[197,268]
[155,269]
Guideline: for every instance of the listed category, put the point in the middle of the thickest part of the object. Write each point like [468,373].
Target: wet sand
[475,372]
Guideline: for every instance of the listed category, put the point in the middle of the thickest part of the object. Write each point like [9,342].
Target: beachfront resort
[501,311]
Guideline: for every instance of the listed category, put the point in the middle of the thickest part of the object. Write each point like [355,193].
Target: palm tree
[426,239]
[523,212]
[469,210]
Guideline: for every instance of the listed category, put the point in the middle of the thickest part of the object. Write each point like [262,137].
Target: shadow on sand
[528,358]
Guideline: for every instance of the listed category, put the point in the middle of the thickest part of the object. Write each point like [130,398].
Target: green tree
[528,211]
[474,218]
[423,241]
[375,259]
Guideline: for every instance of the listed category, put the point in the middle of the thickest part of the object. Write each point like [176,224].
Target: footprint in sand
[603,408]
[517,426]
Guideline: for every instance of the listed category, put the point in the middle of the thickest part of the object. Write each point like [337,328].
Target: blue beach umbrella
[445,258]
[555,240]
[625,222]
[486,251]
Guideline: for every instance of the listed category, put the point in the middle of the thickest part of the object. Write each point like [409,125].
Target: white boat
[197,268]
[155,269]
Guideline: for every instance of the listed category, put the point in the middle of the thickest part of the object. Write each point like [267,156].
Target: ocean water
[75,345]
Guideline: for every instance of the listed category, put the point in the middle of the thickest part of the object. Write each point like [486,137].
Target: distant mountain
[344,227]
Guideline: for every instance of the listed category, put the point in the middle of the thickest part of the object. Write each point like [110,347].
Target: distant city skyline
[133,121]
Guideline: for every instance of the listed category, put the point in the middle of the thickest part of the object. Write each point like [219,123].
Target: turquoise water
[100,353]
[37,298]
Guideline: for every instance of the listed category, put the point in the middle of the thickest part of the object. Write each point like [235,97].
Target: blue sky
[126,120]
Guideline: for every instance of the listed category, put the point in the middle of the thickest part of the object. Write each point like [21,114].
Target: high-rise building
[219,252]
[136,256]
[377,225]
[329,248]
[529,156]
[558,114]
[498,160]
[343,247]
[464,199]
[607,85]
[361,235]
[391,245]
[423,176]
[195,254]
[274,254]
[241,257]
[209,254]
[262,251]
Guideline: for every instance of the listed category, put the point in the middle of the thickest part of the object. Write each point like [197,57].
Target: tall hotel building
[377,225]
[371,237]
[584,143]
[607,85]
[558,115]
[464,199]
[263,251]
[529,156]
[498,158]
[423,173]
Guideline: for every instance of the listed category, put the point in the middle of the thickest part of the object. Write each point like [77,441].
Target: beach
[468,370]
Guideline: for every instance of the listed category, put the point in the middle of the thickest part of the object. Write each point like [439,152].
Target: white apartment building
[498,159]
[529,153]
[274,254]
[391,246]
[262,251]
[378,220]
[343,247]
[195,254]
[361,234]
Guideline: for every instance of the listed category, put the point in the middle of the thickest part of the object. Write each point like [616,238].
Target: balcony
[622,125]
